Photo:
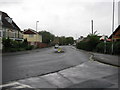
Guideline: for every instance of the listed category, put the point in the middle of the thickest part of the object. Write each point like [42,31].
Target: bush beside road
[92,43]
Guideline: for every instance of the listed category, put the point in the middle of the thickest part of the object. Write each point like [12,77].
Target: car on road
[56,47]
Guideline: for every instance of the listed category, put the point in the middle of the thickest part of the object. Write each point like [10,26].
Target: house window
[31,35]
[9,19]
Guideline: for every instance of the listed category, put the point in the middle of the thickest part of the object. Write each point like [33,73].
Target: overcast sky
[62,17]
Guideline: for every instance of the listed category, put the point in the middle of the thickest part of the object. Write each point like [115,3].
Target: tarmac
[74,76]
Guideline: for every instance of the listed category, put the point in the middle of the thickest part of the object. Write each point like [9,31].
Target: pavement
[74,77]
[107,59]
[91,75]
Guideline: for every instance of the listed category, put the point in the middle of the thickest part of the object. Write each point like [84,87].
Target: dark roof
[118,28]
[29,31]
[7,24]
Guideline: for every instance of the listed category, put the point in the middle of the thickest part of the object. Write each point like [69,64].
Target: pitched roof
[29,31]
[5,22]
[118,28]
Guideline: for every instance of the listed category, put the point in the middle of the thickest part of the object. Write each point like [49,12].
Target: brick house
[116,34]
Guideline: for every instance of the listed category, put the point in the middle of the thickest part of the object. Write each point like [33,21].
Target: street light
[113,26]
[36,25]
[36,31]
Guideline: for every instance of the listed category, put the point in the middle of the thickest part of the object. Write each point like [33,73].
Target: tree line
[51,39]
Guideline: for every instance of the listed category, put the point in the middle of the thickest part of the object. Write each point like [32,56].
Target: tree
[47,37]
[62,40]
[69,40]
[89,43]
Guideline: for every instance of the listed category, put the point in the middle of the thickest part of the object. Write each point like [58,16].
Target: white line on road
[16,83]
[10,84]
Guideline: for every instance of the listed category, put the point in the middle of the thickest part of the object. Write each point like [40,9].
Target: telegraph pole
[113,27]
[36,31]
[92,26]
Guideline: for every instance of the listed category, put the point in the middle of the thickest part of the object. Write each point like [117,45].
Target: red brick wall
[39,44]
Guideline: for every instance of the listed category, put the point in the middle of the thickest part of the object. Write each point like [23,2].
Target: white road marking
[10,84]
[16,83]
[23,86]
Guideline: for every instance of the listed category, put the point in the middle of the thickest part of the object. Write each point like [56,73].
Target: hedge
[13,46]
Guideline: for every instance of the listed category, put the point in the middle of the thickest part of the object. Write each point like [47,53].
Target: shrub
[101,46]
[13,46]
[117,47]
[89,43]
[29,47]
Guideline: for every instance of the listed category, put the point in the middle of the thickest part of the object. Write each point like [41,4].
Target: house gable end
[116,32]
[7,24]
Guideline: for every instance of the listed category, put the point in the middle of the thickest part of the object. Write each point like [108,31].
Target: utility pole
[36,31]
[113,27]
[92,26]
[104,44]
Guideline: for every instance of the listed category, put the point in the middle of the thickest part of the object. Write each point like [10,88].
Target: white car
[56,47]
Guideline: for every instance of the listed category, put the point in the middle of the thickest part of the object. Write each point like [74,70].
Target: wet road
[40,62]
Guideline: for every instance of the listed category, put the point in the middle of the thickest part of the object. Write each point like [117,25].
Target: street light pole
[92,26]
[36,31]
[113,26]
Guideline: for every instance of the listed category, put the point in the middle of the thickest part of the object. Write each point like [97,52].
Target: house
[116,34]
[8,28]
[81,38]
[33,37]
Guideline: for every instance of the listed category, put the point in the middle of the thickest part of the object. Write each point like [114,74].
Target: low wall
[38,44]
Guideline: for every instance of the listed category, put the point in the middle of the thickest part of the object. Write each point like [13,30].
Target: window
[31,35]
[9,19]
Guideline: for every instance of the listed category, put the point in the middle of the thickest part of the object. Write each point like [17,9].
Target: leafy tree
[47,37]
[89,43]
[69,40]
[62,40]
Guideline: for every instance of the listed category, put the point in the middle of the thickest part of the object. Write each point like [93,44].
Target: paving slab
[85,72]
[98,83]
[37,82]
[57,80]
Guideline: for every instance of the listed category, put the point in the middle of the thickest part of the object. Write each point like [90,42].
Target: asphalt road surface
[39,62]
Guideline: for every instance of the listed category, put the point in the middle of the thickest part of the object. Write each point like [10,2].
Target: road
[40,62]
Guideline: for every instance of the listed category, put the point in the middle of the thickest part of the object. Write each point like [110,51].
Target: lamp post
[36,31]
[104,44]
[92,26]
[113,26]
